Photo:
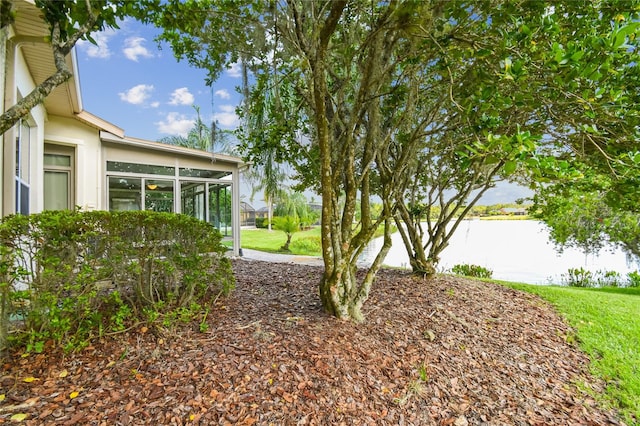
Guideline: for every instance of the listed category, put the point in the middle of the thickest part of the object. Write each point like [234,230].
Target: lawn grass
[607,324]
[272,241]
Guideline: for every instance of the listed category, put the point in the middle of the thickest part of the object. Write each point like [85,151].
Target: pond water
[515,250]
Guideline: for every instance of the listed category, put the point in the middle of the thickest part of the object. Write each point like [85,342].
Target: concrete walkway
[281,258]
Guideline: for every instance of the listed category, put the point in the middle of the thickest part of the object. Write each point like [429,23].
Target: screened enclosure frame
[142,174]
[204,198]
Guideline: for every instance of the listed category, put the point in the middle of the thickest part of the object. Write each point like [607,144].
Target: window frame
[22,177]
[67,151]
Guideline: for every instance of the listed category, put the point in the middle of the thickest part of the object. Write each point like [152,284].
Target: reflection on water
[515,250]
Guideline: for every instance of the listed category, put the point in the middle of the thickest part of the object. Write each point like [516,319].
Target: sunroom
[144,175]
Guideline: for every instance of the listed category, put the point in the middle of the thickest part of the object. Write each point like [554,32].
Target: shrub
[71,276]
[633,279]
[578,277]
[262,222]
[608,279]
[307,245]
[289,225]
[471,271]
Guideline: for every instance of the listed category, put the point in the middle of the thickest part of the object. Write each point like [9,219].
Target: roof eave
[106,136]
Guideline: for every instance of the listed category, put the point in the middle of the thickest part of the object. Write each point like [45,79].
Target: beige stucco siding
[88,164]
[18,83]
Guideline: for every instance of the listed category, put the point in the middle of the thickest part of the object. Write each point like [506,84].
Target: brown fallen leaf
[23,406]
[461,421]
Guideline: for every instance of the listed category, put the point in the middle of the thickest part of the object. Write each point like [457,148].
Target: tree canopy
[415,101]
[591,199]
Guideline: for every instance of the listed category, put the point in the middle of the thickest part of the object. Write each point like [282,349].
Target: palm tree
[203,137]
[268,178]
[266,174]
[295,204]
[289,225]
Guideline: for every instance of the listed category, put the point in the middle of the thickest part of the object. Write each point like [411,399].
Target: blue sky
[128,81]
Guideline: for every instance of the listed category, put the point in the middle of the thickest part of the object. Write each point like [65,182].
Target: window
[220,207]
[129,193]
[125,193]
[58,178]
[208,201]
[23,150]
[119,166]
[192,195]
[158,195]
[200,193]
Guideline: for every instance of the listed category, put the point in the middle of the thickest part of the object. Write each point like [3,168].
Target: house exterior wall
[88,162]
[17,83]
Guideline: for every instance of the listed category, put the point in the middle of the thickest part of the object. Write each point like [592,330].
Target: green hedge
[68,277]
[262,222]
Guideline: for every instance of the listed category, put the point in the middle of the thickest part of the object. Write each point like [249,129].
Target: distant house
[247,214]
[514,211]
[62,156]
[262,212]
[315,207]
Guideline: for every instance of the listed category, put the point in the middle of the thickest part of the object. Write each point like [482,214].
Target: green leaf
[510,167]
[619,39]
[577,56]
[491,159]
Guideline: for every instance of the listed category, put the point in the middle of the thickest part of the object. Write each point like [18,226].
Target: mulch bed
[445,351]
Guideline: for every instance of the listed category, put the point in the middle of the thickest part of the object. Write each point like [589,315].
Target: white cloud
[181,96]
[134,49]
[154,104]
[175,124]
[227,117]
[137,94]
[101,48]
[222,94]
[235,70]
